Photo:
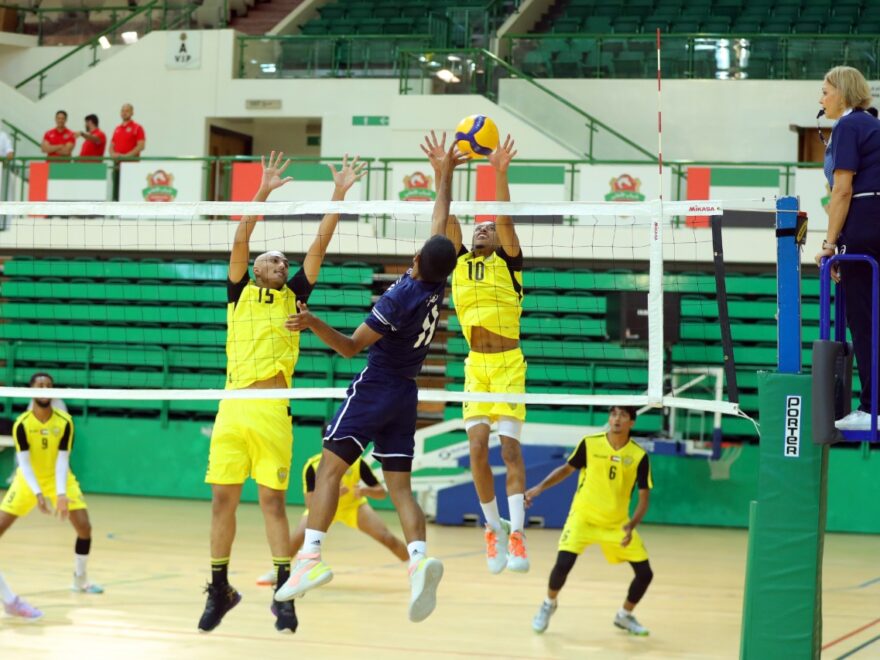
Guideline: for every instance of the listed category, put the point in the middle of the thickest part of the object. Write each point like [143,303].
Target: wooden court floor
[151,555]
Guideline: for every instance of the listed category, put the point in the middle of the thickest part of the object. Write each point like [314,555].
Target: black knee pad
[564,563]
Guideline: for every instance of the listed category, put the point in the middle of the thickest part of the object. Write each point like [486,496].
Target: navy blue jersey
[406,316]
[855,146]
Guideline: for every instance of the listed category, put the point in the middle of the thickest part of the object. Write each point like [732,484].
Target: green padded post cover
[782,615]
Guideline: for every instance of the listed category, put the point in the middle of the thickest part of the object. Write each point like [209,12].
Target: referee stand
[782,608]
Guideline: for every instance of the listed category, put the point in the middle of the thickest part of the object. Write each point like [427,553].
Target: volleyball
[476,136]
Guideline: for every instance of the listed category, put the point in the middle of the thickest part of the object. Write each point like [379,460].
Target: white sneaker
[424,578]
[81,585]
[517,558]
[309,572]
[542,618]
[857,420]
[629,623]
[268,579]
[496,547]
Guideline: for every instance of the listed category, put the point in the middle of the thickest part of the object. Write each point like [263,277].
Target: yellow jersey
[356,473]
[44,441]
[257,344]
[607,479]
[488,292]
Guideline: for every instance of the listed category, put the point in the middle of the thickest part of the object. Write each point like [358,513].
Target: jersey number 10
[429,325]
[476,270]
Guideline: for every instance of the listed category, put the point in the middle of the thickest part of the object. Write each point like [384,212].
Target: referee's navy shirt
[855,146]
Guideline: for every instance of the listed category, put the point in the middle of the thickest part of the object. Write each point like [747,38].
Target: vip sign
[793,410]
[184,50]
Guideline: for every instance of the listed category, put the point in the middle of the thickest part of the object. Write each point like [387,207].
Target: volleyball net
[124,304]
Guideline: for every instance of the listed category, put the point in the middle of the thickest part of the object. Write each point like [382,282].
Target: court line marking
[152,578]
[850,634]
[861,647]
[868,583]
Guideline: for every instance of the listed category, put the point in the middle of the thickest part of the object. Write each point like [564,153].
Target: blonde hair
[852,86]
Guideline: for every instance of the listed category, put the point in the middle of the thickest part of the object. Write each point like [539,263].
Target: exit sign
[369,120]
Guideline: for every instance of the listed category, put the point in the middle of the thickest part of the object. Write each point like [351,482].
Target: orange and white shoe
[308,573]
[267,579]
[496,547]
[517,557]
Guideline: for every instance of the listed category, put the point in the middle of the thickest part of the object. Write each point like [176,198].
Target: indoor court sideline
[149,554]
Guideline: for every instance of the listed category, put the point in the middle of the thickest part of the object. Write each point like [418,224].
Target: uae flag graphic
[68,182]
[528,183]
[744,185]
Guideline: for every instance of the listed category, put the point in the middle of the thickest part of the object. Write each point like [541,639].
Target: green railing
[94,44]
[477,71]
[314,56]
[16,134]
[716,56]
[75,25]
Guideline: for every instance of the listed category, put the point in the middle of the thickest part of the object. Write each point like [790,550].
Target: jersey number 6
[612,472]
[429,325]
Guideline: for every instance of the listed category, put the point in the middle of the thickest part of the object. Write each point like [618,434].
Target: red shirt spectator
[128,138]
[95,139]
[59,141]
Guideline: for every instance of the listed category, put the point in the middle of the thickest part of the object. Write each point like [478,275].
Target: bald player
[253,437]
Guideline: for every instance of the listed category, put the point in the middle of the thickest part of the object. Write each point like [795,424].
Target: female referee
[852,167]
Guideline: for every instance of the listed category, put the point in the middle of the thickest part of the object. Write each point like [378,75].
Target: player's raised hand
[435,149]
[628,534]
[273,170]
[43,505]
[501,157]
[302,320]
[350,173]
[452,159]
[61,509]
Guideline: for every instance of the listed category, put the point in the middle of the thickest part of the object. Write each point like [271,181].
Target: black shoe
[285,616]
[221,599]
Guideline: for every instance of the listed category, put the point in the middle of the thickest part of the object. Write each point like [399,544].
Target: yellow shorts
[251,437]
[20,499]
[347,515]
[577,535]
[500,373]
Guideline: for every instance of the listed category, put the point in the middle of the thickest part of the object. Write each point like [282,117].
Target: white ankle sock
[516,504]
[312,542]
[417,550]
[6,594]
[550,601]
[623,612]
[79,565]
[490,513]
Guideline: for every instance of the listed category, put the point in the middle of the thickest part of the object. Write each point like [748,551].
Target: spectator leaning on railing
[95,140]
[852,167]
[59,141]
[6,148]
[128,138]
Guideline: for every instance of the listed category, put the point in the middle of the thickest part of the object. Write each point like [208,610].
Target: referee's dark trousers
[860,235]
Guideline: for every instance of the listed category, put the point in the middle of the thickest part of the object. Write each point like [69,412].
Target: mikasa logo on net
[792,426]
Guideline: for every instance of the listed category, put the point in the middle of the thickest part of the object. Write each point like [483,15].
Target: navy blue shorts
[380,408]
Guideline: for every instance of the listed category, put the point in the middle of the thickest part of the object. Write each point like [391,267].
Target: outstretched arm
[500,160]
[346,346]
[241,251]
[557,476]
[343,180]
[451,159]
[435,150]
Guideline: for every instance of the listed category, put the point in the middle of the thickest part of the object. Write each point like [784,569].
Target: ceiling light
[104,41]
[447,76]
[129,38]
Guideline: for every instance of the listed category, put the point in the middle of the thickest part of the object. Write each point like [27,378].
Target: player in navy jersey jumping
[380,406]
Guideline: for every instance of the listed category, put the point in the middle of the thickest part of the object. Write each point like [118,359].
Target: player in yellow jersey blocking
[254,437]
[487,291]
[43,442]
[611,466]
[353,511]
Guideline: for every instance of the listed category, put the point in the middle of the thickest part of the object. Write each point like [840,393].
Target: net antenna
[655,284]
